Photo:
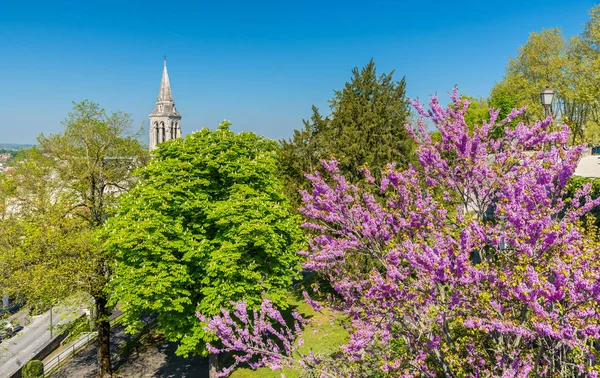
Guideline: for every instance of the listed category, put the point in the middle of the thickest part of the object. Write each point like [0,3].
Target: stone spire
[165,120]
[165,86]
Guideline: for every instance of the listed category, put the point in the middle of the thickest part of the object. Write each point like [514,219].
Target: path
[588,166]
[156,358]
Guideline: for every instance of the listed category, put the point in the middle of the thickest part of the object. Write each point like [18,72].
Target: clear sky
[259,64]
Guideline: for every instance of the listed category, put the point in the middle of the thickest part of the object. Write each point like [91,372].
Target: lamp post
[546,97]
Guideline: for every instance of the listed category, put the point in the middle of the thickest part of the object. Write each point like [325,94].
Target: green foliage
[33,369]
[54,199]
[96,153]
[207,225]
[505,103]
[44,250]
[541,62]
[76,328]
[479,110]
[570,67]
[53,203]
[502,100]
[592,133]
[365,128]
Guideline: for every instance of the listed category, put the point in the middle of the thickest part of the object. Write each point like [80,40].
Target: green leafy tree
[365,128]
[208,224]
[33,369]
[540,62]
[43,247]
[503,101]
[570,67]
[53,204]
[592,133]
[478,111]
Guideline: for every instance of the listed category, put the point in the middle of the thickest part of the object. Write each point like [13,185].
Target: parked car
[9,329]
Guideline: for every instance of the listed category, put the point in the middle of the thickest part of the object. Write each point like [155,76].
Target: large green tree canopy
[207,224]
[45,249]
[366,127]
[571,67]
[53,204]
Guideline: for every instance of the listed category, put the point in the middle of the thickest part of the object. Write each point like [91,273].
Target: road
[18,349]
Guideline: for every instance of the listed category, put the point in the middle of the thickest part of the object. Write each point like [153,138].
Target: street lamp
[546,97]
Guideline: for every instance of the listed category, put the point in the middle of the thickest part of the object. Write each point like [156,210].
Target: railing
[66,353]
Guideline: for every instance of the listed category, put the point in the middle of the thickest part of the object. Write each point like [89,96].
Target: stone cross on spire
[165,120]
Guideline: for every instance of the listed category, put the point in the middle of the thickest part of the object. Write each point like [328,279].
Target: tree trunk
[213,365]
[103,326]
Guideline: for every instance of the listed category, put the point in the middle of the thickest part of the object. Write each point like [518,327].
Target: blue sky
[259,64]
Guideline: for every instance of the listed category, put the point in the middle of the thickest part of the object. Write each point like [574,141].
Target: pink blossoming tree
[479,266]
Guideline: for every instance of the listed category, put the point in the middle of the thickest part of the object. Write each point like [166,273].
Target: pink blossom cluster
[263,334]
[477,266]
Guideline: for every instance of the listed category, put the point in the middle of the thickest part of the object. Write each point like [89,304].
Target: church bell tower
[165,120]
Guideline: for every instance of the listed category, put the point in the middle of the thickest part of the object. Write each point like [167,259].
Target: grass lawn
[323,335]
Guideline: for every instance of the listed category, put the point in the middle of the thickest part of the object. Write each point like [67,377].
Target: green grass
[324,335]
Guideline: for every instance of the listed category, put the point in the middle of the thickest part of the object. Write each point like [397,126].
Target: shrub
[33,369]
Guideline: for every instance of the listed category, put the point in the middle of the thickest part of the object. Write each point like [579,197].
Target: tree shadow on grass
[153,356]
[176,366]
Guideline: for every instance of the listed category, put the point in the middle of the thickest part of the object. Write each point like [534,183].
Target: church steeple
[165,86]
[165,120]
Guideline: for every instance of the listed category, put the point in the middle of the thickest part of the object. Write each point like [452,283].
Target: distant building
[165,120]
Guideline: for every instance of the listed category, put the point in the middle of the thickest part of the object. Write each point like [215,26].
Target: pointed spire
[165,86]
[165,120]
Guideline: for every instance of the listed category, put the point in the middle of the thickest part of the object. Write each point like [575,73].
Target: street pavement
[589,166]
[17,350]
